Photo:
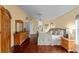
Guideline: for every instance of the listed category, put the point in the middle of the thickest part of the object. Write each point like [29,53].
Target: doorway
[77,33]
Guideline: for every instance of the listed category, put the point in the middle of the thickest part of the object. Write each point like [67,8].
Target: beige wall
[67,20]
[45,21]
[35,24]
[16,14]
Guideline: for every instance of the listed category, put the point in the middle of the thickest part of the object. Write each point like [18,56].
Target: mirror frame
[20,22]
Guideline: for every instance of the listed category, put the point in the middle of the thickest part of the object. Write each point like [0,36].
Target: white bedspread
[56,40]
[48,39]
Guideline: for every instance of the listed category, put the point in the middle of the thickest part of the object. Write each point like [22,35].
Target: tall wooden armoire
[5,30]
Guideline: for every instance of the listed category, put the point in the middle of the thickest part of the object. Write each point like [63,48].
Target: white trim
[76,32]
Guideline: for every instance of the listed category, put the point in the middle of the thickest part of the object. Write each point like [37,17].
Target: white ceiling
[47,11]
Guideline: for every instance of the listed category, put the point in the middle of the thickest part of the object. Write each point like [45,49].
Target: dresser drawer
[20,37]
[68,44]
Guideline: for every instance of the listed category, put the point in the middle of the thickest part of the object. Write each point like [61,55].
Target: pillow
[60,32]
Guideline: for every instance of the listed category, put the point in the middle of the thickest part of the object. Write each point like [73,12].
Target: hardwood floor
[30,46]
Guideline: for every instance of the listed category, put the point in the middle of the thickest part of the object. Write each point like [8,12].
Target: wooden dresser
[20,37]
[68,44]
[5,30]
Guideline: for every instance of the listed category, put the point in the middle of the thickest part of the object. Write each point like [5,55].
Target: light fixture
[39,15]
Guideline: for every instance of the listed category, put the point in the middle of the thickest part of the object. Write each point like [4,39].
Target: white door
[77,31]
[27,26]
[31,28]
[77,34]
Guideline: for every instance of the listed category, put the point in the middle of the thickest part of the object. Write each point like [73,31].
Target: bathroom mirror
[18,25]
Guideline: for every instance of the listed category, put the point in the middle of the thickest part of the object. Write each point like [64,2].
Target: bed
[52,37]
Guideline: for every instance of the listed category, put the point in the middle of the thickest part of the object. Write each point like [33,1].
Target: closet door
[0,39]
[3,31]
[6,33]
